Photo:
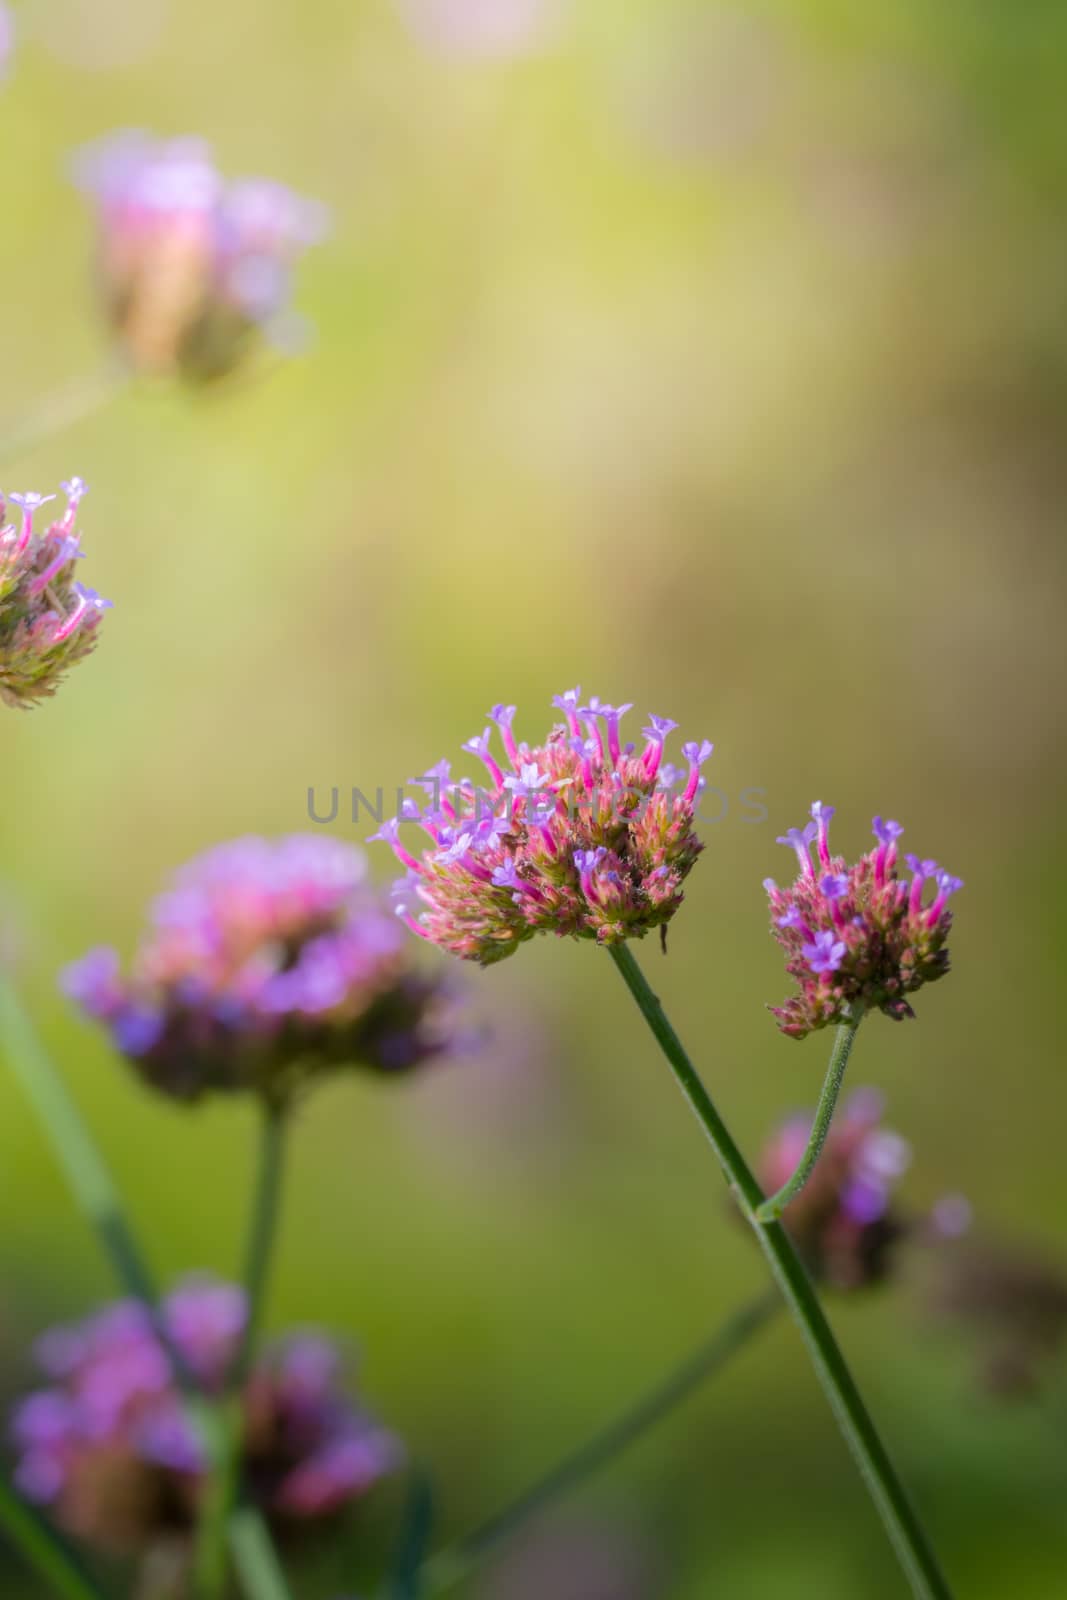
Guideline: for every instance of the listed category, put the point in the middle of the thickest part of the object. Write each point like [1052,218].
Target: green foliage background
[713,359]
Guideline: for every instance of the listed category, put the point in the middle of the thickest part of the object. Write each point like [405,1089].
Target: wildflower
[579,837]
[857,936]
[193,268]
[48,620]
[108,1451]
[266,962]
[843,1221]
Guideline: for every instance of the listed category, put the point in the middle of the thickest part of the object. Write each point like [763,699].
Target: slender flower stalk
[83,1166]
[43,1550]
[255,1557]
[772,1209]
[224,1487]
[905,1532]
[450,1566]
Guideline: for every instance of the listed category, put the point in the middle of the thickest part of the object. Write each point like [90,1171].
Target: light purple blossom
[266,962]
[222,252]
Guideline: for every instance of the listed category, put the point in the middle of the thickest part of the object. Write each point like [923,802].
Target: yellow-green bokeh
[713,359]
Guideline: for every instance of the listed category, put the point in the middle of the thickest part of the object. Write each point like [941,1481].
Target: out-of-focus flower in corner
[481,27]
[194,269]
[48,620]
[846,1222]
[580,836]
[107,1451]
[7,40]
[857,936]
[1011,1304]
[267,963]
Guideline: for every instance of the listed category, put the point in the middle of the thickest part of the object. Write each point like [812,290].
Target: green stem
[255,1557]
[82,1164]
[772,1209]
[262,1233]
[61,410]
[43,1549]
[905,1532]
[453,1564]
[224,1485]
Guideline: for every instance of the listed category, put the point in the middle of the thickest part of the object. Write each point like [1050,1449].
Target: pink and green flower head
[857,937]
[106,1449]
[267,963]
[576,836]
[48,619]
[844,1221]
[194,268]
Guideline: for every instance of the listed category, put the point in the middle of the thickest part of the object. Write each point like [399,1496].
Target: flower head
[266,962]
[106,1448]
[857,936]
[844,1220]
[48,620]
[578,837]
[193,267]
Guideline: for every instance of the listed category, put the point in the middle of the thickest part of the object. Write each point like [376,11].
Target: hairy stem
[451,1565]
[772,1209]
[909,1541]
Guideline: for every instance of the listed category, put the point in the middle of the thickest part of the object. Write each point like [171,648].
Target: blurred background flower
[107,1449]
[192,268]
[267,963]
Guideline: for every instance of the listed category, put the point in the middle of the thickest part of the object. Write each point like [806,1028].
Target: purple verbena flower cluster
[857,936]
[107,1448]
[266,962]
[48,620]
[843,1220]
[580,835]
[193,268]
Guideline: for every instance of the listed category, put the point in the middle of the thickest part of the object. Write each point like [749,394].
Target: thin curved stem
[83,1166]
[905,1532]
[844,1039]
[43,1550]
[451,1565]
[223,1488]
[61,410]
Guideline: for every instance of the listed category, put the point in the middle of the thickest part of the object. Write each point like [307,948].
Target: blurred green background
[715,359]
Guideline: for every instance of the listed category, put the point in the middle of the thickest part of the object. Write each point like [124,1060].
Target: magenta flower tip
[886,832]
